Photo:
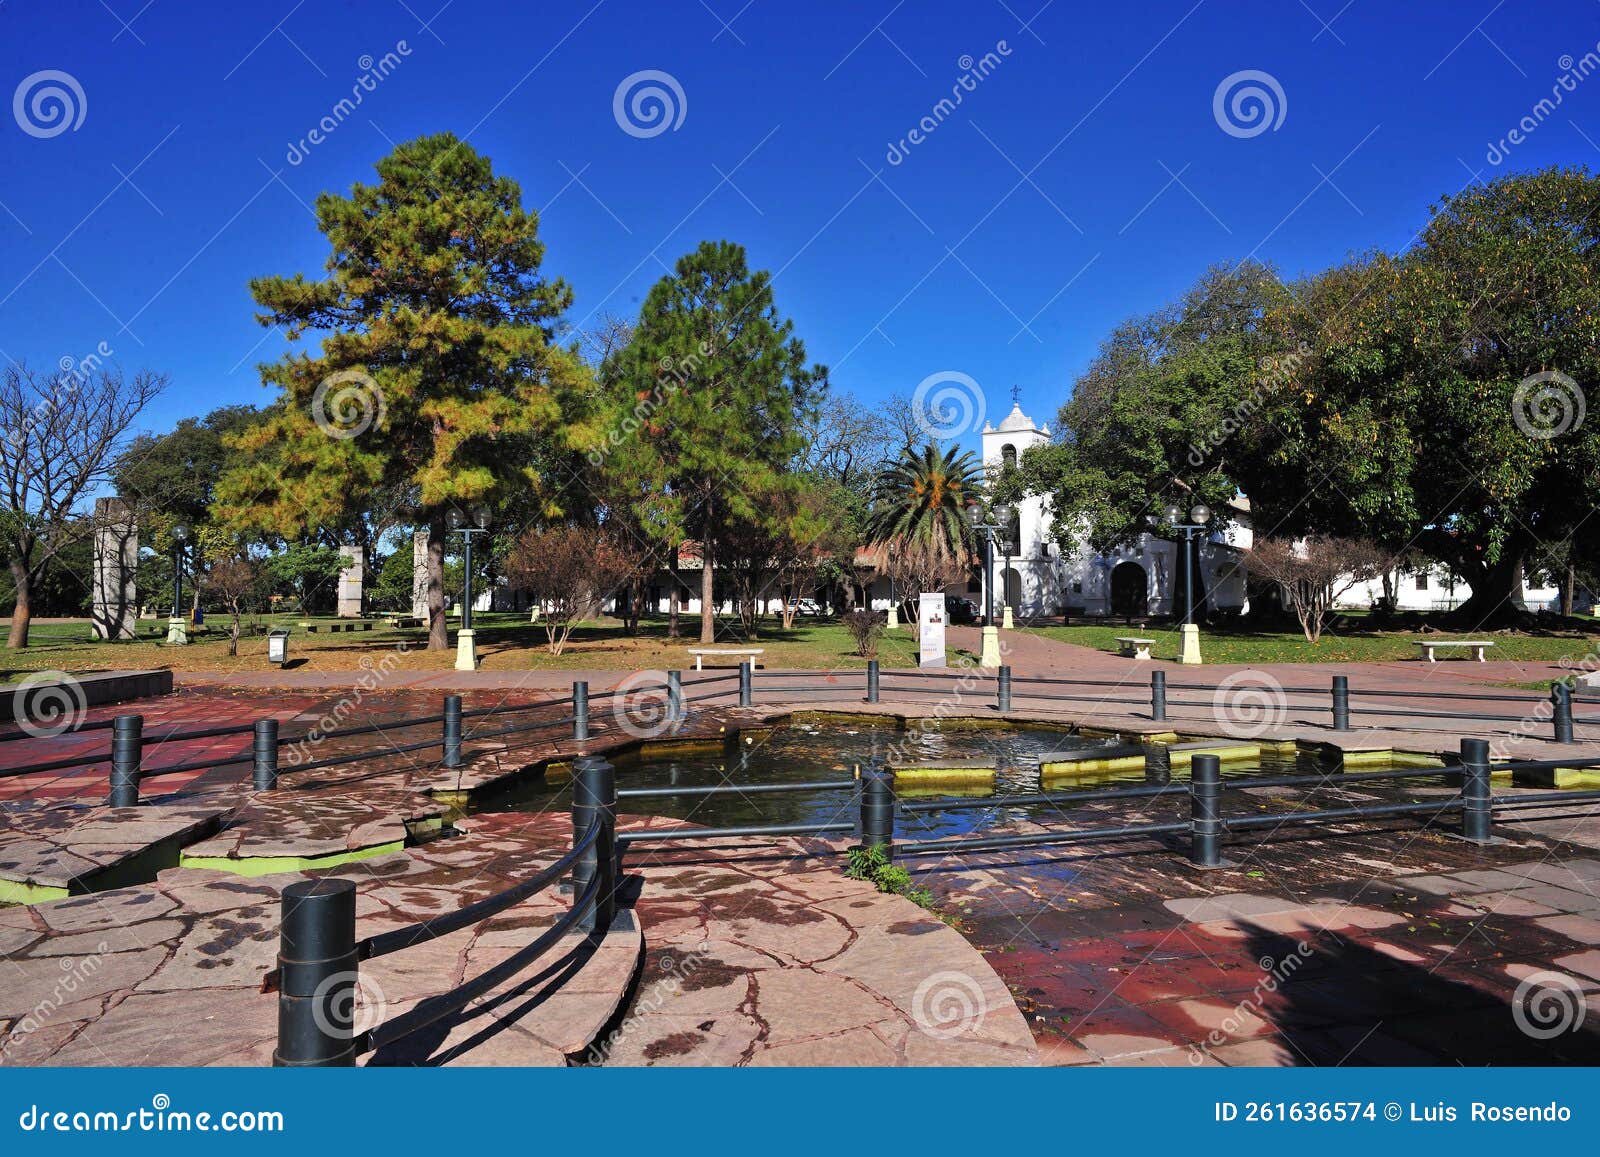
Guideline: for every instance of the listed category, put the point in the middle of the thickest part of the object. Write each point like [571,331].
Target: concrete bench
[700,653]
[1135,648]
[1428,647]
[403,621]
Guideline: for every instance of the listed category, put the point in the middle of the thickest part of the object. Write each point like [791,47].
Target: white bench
[700,653]
[1135,648]
[1430,646]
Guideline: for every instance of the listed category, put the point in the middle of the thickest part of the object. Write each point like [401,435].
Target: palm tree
[923,498]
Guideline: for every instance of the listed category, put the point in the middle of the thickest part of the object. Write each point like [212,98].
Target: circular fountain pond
[823,751]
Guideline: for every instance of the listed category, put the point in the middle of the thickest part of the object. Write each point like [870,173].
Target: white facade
[1037,580]
[1436,588]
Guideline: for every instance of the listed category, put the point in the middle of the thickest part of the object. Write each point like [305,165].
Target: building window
[1422,582]
[1008,455]
[1077,588]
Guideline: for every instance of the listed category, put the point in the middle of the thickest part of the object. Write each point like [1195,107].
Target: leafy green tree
[1156,417]
[1464,370]
[439,365]
[713,388]
[177,472]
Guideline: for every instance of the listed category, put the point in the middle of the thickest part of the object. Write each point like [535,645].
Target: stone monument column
[351,580]
[419,575]
[115,608]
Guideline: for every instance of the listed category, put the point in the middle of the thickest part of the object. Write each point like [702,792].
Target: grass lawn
[506,642]
[1219,646]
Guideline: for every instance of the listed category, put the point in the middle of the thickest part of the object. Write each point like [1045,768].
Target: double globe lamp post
[477,522]
[999,519]
[1196,527]
[177,628]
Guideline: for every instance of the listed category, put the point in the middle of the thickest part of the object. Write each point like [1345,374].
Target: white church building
[1140,578]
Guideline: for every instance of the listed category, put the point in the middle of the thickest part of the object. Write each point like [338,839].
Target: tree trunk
[23,615]
[708,610]
[1496,595]
[676,599]
[438,625]
[1569,584]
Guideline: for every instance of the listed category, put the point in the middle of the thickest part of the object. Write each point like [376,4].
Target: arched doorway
[1130,590]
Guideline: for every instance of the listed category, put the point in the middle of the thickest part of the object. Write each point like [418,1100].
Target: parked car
[960,612]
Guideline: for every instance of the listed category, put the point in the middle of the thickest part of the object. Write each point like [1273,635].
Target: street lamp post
[177,629]
[989,655]
[1199,518]
[466,639]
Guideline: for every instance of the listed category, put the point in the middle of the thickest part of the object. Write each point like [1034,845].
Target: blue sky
[1084,178]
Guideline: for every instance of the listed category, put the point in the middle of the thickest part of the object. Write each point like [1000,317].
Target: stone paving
[77,848]
[1386,945]
[759,956]
[172,973]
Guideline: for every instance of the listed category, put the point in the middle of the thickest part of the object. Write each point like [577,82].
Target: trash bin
[278,645]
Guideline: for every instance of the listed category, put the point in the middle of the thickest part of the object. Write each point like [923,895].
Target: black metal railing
[999,689]
[1206,824]
[319,956]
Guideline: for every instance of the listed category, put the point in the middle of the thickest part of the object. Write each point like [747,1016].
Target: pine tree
[728,385]
[439,364]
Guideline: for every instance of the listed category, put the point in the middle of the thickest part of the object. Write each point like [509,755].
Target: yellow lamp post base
[989,656]
[466,651]
[1190,652]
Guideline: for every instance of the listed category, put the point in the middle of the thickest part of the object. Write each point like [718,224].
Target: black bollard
[452,731]
[264,769]
[1561,696]
[580,710]
[1158,695]
[1002,688]
[1205,819]
[872,680]
[594,801]
[317,975]
[745,698]
[127,749]
[1341,703]
[1477,819]
[877,808]
[674,696]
